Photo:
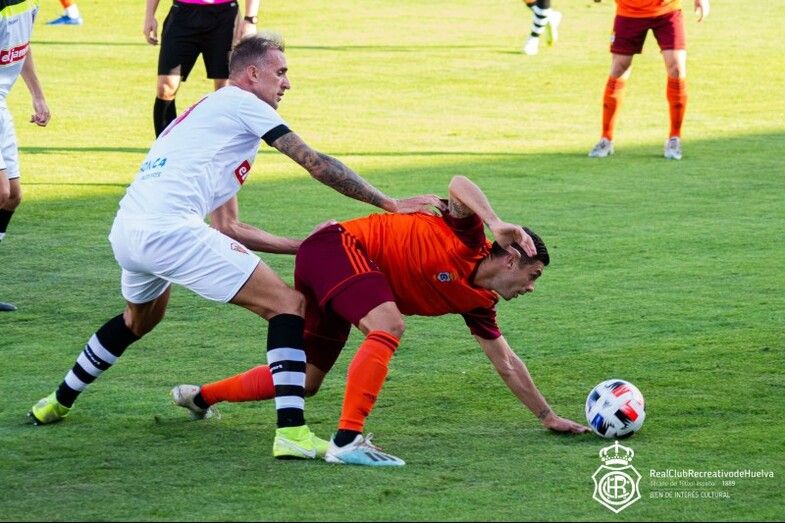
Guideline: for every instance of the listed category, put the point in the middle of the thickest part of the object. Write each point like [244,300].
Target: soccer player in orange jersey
[633,20]
[370,272]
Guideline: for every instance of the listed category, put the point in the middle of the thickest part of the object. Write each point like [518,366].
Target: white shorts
[154,254]
[9,154]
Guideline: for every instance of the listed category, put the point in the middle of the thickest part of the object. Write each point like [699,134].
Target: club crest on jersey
[239,248]
[241,173]
[445,277]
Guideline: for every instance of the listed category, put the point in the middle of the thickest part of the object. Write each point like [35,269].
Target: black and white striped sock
[542,10]
[100,353]
[286,358]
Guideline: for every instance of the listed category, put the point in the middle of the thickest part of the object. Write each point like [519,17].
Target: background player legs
[621,69]
[70,15]
[164,110]
[544,19]
[10,197]
[676,93]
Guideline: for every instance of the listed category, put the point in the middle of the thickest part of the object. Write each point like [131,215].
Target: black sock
[199,401]
[544,4]
[100,353]
[286,358]
[344,437]
[164,112]
[5,219]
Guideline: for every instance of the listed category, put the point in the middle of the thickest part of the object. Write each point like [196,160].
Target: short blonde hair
[252,48]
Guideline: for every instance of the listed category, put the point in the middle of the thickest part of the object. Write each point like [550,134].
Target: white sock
[72,11]
[2,235]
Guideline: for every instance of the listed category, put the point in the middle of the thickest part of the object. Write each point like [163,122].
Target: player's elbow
[456,181]
[226,227]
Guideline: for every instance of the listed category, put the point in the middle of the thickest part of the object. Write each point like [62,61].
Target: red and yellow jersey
[646,8]
[429,262]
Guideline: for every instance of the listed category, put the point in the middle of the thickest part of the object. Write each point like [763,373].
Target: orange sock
[365,378]
[677,102]
[252,385]
[66,3]
[611,101]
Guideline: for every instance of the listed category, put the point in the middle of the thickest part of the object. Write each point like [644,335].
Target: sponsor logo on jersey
[239,248]
[14,54]
[241,173]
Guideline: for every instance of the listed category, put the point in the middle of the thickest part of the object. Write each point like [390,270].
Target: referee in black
[193,27]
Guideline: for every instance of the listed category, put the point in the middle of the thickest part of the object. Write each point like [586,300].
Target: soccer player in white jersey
[159,237]
[16,26]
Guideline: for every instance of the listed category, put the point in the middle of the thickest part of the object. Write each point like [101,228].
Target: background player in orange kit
[633,20]
[371,271]
[70,14]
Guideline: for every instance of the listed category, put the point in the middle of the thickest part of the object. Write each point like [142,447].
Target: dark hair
[542,250]
[252,49]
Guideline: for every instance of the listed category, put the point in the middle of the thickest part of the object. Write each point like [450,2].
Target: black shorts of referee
[191,29]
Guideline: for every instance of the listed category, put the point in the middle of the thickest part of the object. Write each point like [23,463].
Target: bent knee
[311,389]
[12,201]
[289,301]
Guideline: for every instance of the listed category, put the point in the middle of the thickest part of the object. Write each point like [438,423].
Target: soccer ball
[615,409]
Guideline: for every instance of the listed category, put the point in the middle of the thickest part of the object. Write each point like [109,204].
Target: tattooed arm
[335,174]
[467,199]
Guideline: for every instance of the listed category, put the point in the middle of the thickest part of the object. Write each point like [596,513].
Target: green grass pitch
[667,274]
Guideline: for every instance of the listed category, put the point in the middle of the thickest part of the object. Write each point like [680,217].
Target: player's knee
[290,301]
[311,388]
[166,90]
[13,200]
[142,324]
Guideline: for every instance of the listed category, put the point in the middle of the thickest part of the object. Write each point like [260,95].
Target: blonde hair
[251,49]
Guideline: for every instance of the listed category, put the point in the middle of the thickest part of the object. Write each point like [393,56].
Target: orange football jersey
[429,262]
[646,8]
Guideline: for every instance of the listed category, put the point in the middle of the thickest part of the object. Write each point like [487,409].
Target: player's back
[428,260]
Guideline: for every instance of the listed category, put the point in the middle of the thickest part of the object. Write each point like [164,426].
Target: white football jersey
[16,26]
[203,157]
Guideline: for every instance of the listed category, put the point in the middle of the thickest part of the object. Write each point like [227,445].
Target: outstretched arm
[226,219]
[466,198]
[335,174]
[515,374]
[41,115]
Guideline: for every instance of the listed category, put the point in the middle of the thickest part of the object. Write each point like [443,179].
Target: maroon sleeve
[482,323]
[470,230]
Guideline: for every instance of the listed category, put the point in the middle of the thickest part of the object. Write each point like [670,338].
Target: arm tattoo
[458,209]
[329,171]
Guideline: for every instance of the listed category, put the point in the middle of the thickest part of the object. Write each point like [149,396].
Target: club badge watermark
[616,482]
